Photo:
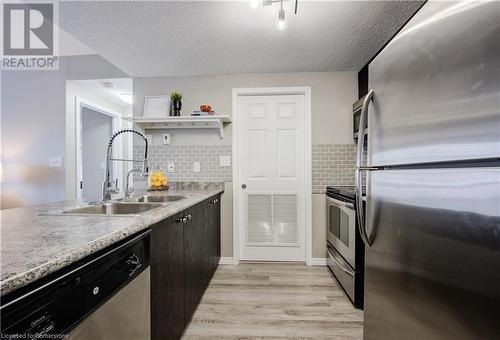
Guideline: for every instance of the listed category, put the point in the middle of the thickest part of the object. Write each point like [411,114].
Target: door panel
[217,231]
[285,219]
[436,87]
[432,271]
[167,279]
[259,219]
[272,166]
[287,158]
[194,261]
[208,229]
[257,149]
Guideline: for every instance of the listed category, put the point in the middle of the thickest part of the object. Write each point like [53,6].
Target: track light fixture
[281,20]
[281,23]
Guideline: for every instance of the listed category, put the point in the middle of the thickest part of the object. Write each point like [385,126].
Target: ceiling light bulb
[255,3]
[281,21]
[126,98]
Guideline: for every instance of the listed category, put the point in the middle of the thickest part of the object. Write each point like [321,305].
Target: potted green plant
[175,103]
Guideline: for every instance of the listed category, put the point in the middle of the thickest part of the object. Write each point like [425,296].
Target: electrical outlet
[224,160]
[196,167]
[166,139]
[170,167]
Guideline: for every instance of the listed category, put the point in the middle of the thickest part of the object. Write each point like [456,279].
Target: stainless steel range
[345,247]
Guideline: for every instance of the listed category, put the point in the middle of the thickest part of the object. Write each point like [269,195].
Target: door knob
[243,186]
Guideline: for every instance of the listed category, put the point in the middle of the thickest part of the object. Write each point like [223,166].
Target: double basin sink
[126,206]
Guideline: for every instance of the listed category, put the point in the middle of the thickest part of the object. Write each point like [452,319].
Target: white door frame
[259,91]
[117,124]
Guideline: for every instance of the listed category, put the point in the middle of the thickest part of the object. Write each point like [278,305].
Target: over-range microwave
[356,114]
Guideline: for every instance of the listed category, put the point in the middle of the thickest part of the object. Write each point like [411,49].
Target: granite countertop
[35,243]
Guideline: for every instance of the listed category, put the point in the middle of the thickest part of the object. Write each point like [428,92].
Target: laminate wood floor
[274,300]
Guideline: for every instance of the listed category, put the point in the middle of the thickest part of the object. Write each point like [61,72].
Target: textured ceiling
[207,37]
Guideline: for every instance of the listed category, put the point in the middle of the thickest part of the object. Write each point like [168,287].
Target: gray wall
[32,130]
[33,127]
[332,96]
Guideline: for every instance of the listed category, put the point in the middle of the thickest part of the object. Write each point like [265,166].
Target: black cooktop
[343,191]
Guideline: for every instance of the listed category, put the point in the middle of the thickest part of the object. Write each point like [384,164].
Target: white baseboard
[318,261]
[226,260]
[315,261]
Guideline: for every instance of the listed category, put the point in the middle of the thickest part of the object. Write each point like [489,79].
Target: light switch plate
[56,162]
[166,139]
[224,160]
[196,167]
[170,167]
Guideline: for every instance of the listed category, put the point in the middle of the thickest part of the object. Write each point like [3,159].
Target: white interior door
[272,171]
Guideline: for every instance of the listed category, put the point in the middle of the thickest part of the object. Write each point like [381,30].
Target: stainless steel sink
[161,198]
[155,198]
[115,208]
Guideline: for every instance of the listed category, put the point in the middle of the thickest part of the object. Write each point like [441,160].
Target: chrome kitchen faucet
[109,187]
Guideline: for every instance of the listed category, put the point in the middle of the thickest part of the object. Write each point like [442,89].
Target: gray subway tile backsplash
[332,164]
[184,156]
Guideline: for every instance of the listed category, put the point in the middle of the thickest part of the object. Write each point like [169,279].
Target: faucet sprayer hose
[110,144]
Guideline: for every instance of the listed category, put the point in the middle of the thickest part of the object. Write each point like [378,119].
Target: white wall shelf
[184,122]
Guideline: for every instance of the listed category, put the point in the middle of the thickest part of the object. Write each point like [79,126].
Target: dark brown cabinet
[208,240]
[194,266]
[212,236]
[217,231]
[185,255]
[167,279]
[214,227]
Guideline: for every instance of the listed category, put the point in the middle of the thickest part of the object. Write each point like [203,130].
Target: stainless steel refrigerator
[432,219]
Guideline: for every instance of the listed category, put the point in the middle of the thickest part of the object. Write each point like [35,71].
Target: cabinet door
[167,279]
[209,255]
[216,231]
[194,277]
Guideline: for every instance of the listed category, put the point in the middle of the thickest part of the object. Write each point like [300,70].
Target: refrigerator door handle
[359,160]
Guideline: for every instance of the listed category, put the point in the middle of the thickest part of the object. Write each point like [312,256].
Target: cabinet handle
[180,220]
[184,220]
[189,217]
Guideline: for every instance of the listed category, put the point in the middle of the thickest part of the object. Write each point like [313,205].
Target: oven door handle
[340,203]
[341,266]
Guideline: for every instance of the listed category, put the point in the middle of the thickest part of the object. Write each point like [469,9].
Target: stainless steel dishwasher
[107,297]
